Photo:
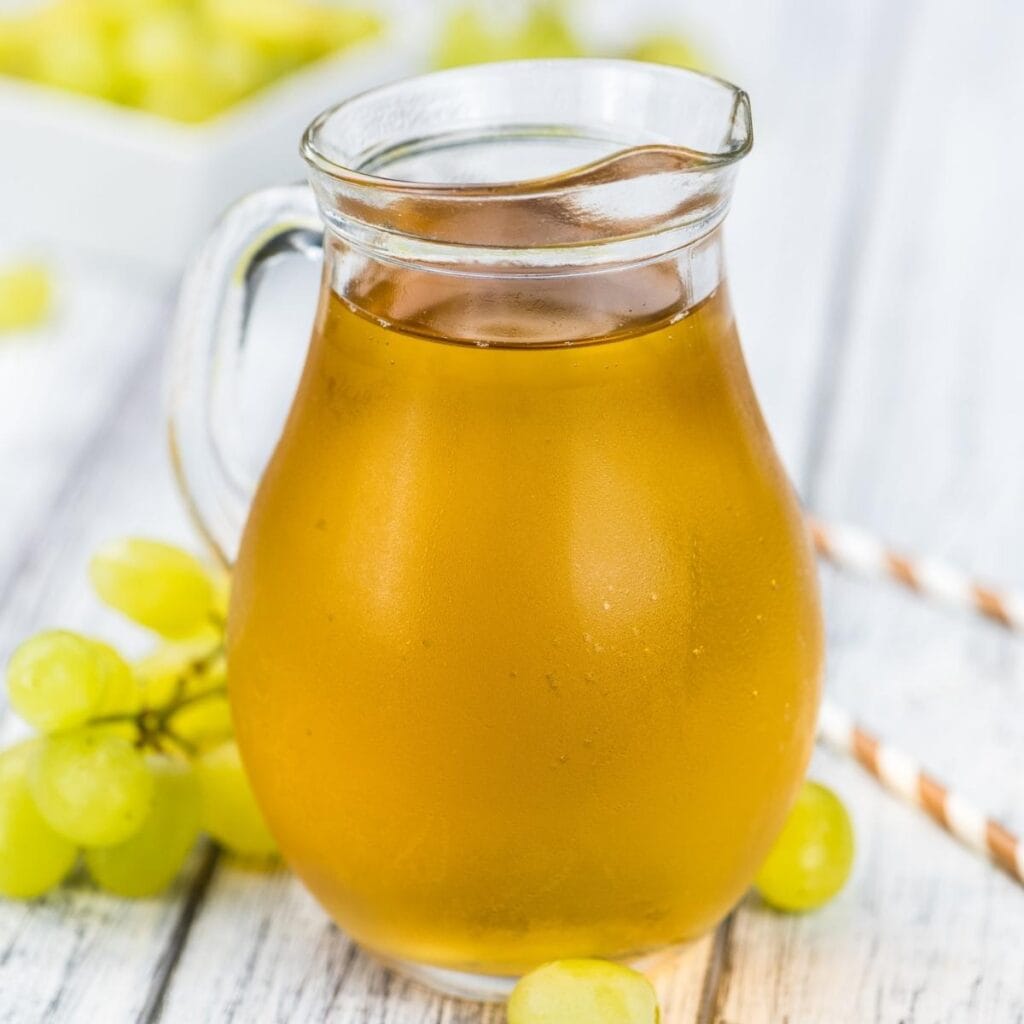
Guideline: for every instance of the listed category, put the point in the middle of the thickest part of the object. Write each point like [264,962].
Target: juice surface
[524,643]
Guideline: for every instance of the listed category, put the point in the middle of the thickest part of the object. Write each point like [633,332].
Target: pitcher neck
[595,305]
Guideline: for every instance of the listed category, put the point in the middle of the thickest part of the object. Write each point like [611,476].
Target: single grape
[228,809]
[77,58]
[148,861]
[26,295]
[235,69]
[33,857]
[583,992]
[91,785]
[205,721]
[122,695]
[221,594]
[162,44]
[155,584]
[464,39]
[198,664]
[546,33]
[58,680]
[812,857]
[667,49]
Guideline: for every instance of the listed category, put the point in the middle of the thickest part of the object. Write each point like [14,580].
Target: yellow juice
[524,644]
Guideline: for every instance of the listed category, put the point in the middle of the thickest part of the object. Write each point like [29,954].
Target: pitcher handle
[208,337]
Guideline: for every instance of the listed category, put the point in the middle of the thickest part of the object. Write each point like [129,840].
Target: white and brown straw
[901,774]
[851,548]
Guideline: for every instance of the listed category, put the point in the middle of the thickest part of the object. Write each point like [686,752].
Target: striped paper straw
[901,774]
[849,547]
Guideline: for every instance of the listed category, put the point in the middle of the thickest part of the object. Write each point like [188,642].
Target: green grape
[221,594]
[197,663]
[116,15]
[546,33]
[33,857]
[157,585]
[194,670]
[275,26]
[188,98]
[58,680]
[228,808]
[204,722]
[466,38]
[75,57]
[26,296]
[667,49]
[92,786]
[122,695]
[164,44]
[583,992]
[341,27]
[148,861]
[235,70]
[812,857]
[15,44]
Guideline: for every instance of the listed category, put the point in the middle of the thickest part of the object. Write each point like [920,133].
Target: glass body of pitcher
[524,639]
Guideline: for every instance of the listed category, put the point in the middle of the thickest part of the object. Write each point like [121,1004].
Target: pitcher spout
[513,164]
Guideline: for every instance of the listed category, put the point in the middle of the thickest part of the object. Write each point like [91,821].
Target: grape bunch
[182,59]
[131,761]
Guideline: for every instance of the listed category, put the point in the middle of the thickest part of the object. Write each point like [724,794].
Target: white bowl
[80,172]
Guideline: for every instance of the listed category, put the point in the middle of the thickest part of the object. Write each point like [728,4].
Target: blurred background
[127,126]
[875,252]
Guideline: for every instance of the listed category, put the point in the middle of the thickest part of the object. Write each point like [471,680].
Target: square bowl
[140,189]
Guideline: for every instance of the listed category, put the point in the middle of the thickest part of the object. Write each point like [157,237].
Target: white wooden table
[877,254]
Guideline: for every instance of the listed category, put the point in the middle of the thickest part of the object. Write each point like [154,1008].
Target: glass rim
[352,170]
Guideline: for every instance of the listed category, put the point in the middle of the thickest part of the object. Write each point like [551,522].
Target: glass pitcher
[524,639]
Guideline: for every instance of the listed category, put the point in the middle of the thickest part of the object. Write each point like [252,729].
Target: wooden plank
[922,443]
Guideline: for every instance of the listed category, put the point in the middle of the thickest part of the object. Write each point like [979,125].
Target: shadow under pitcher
[524,642]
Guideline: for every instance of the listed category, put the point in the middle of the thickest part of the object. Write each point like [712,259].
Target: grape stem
[154,723]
